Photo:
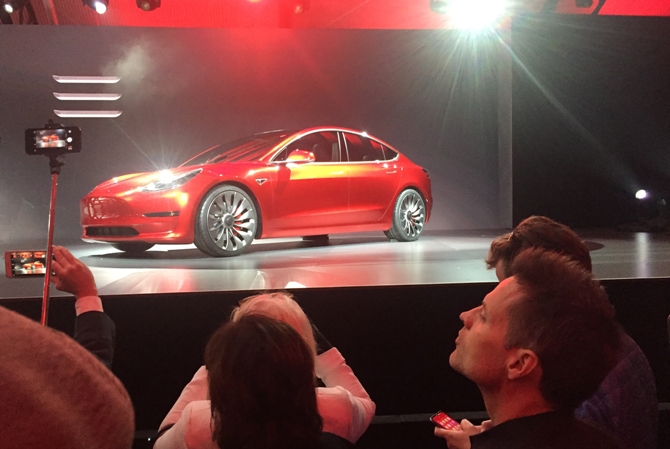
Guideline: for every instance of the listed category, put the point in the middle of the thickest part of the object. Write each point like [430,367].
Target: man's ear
[521,362]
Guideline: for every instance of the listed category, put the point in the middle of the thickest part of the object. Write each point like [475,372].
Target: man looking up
[538,345]
[626,403]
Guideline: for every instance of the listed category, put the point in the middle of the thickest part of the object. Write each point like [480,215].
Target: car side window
[283,154]
[389,154]
[362,149]
[324,145]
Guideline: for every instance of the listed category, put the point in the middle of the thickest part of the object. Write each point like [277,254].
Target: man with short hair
[536,232]
[625,404]
[537,346]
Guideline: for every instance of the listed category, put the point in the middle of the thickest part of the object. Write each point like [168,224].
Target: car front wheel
[409,217]
[226,222]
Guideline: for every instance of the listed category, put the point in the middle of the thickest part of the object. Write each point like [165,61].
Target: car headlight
[168,181]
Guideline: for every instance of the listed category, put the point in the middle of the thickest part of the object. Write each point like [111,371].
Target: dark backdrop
[429,93]
[591,126]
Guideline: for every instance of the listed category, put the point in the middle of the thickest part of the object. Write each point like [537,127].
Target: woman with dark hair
[345,407]
[262,395]
[261,385]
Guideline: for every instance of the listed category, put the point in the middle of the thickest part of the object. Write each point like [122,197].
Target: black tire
[389,235]
[132,247]
[226,222]
[409,217]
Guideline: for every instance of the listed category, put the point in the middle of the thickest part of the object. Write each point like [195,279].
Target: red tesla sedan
[309,183]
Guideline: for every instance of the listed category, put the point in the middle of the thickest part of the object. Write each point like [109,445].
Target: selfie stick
[54,166]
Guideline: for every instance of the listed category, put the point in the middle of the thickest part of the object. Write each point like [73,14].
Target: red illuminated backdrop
[367,14]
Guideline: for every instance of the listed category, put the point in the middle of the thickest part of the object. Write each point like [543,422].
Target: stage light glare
[641,194]
[11,6]
[474,16]
[100,6]
[148,5]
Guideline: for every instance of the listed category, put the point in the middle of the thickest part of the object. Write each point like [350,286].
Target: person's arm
[185,428]
[332,369]
[94,330]
[196,390]
[460,439]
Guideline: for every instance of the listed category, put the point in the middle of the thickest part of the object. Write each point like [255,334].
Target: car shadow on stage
[261,254]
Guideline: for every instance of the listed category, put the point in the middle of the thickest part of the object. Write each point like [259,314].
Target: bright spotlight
[148,5]
[11,6]
[470,15]
[100,6]
[641,194]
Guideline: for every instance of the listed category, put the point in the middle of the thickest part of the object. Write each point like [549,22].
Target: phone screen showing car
[445,421]
[25,263]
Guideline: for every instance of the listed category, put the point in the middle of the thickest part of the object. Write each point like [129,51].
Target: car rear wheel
[226,222]
[132,247]
[409,217]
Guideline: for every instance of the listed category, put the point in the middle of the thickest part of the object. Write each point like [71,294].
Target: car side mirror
[298,156]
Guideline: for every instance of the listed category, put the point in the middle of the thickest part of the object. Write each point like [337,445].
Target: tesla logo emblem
[261,181]
[87,96]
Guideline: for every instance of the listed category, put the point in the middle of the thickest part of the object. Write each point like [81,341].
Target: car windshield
[246,149]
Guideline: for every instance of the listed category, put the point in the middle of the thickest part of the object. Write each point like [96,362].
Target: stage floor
[344,261]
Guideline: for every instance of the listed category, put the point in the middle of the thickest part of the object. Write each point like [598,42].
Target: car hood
[135,180]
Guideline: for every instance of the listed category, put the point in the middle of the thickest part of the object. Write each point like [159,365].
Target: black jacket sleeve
[96,332]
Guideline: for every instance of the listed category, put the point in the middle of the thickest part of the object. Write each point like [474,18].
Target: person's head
[261,385]
[280,306]
[56,394]
[549,325]
[536,232]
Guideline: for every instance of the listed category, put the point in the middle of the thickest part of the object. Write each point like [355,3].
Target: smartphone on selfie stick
[53,140]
